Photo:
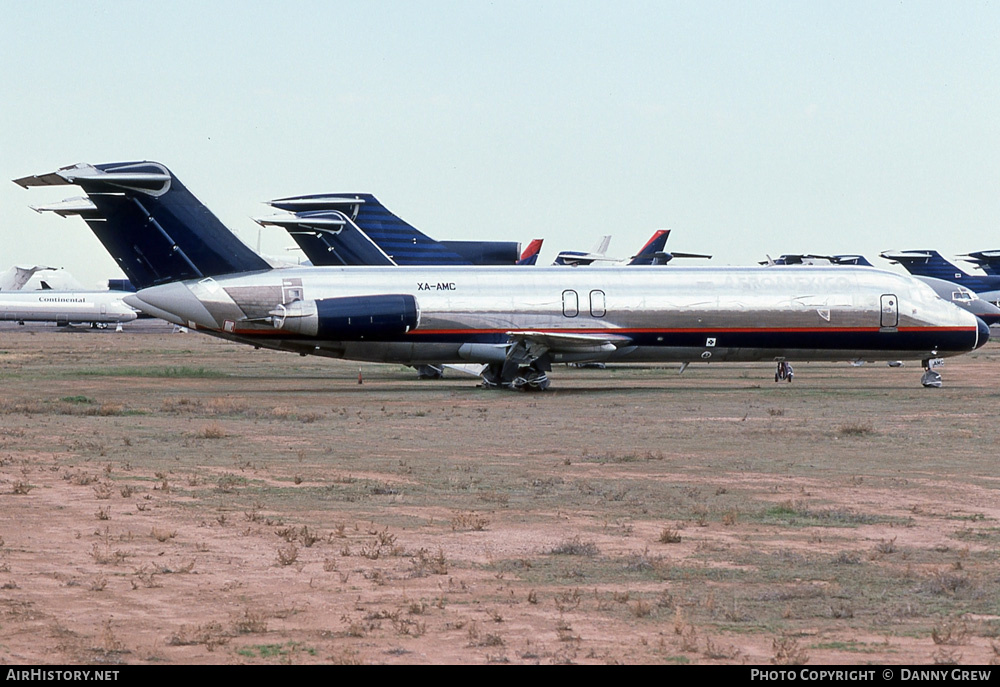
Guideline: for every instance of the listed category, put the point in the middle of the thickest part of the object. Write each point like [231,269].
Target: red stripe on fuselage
[626,332]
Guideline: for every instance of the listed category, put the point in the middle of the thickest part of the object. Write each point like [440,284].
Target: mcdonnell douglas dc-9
[97,308]
[354,229]
[192,271]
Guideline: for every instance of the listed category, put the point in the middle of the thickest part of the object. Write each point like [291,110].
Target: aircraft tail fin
[601,247]
[329,237]
[16,277]
[529,256]
[926,263]
[859,260]
[399,240]
[598,253]
[987,260]
[653,252]
[155,228]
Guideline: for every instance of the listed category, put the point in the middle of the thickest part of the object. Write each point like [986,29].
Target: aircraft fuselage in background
[65,307]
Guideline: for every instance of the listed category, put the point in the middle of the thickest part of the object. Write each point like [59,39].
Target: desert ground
[171,498]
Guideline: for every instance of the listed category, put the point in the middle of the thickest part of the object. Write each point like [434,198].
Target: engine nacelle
[350,318]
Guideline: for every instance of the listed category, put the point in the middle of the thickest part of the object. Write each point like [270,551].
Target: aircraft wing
[570,343]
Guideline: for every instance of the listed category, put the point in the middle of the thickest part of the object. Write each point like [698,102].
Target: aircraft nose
[984,332]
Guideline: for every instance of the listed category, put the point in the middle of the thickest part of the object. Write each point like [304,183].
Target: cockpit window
[961,296]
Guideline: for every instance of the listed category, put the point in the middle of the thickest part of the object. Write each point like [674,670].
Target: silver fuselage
[64,307]
[677,314]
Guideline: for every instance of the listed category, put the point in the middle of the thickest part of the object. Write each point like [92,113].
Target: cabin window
[597,307]
[571,303]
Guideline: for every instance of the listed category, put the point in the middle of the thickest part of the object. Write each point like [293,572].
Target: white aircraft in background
[38,277]
[65,307]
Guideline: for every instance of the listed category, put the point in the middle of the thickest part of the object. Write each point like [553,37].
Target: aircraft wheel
[541,383]
[429,372]
[491,377]
[931,379]
[530,379]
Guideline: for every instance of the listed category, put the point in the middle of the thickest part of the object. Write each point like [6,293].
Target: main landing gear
[523,370]
[784,372]
[523,378]
[429,372]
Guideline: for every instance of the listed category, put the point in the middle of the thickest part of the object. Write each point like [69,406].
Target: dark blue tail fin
[150,223]
[401,242]
[987,260]
[329,237]
[395,239]
[859,260]
[929,263]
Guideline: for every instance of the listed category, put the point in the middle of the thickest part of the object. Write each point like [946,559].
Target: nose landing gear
[931,378]
[784,372]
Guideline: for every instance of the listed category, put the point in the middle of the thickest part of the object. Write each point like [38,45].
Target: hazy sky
[746,127]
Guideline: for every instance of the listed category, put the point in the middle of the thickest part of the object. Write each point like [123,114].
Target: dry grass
[436,533]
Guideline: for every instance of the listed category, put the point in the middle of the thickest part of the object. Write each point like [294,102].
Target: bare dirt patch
[172,498]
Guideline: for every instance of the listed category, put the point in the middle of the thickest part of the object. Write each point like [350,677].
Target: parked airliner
[194,272]
[65,307]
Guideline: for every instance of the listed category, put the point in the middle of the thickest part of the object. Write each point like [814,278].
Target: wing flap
[559,342]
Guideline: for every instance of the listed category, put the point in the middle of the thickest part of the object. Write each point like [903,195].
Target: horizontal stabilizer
[329,237]
[317,202]
[897,255]
[135,176]
[69,207]
[326,222]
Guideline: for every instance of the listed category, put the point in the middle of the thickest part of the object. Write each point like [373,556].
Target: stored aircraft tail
[530,254]
[653,252]
[364,224]
[987,260]
[925,263]
[155,228]
[329,237]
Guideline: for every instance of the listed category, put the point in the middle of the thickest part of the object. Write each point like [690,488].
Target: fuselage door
[890,311]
